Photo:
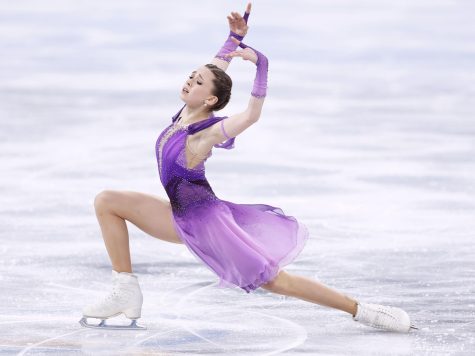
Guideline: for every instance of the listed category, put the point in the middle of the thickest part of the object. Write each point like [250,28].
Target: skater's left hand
[247,53]
[237,23]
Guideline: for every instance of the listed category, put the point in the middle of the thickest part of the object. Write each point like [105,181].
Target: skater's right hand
[238,23]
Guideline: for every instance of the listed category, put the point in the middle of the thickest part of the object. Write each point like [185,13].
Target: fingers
[234,54]
[247,12]
[247,55]
[236,20]
[233,17]
[236,16]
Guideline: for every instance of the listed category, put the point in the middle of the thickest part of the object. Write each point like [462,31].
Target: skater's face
[198,88]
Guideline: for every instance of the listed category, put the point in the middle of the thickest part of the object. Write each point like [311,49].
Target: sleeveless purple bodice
[185,187]
[245,245]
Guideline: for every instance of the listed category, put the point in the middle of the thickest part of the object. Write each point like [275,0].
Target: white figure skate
[126,297]
[383,317]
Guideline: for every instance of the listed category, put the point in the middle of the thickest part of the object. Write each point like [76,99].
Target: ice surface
[368,130]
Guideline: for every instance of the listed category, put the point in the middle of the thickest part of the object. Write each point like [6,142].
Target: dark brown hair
[222,86]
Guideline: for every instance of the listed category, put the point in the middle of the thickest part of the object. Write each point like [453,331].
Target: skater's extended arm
[235,124]
[237,28]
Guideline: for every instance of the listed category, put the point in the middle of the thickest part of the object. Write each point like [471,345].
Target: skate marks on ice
[424,279]
[38,344]
[195,318]
[211,319]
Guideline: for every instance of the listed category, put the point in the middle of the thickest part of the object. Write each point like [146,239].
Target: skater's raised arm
[238,29]
[235,124]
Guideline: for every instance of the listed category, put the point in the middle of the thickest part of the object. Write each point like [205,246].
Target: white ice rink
[367,136]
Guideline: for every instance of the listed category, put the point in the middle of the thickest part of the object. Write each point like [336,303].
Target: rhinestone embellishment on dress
[172,130]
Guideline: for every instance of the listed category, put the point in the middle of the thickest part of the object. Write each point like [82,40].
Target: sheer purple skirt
[245,245]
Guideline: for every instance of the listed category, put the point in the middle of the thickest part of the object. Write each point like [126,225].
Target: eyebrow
[198,74]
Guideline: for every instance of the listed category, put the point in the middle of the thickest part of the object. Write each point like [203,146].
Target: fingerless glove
[228,47]
[259,89]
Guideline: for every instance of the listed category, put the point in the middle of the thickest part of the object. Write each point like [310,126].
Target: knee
[103,200]
[278,284]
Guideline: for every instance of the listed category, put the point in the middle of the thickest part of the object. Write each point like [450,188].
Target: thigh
[150,213]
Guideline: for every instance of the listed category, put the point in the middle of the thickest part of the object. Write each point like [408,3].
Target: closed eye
[191,77]
[199,75]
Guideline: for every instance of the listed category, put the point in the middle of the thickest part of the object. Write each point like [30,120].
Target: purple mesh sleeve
[229,45]
[260,81]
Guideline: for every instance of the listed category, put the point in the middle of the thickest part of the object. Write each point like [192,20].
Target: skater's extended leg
[375,315]
[310,290]
[149,213]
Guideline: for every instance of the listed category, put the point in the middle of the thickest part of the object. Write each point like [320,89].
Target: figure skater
[245,245]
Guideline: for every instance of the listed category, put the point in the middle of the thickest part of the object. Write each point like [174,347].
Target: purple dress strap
[228,144]
[200,125]
[175,117]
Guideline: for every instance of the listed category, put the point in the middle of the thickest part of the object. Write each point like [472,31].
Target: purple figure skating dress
[245,245]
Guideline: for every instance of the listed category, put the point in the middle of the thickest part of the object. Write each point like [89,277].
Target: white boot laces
[379,317]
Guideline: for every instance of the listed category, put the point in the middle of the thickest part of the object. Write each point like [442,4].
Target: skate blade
[414,327]
[102,325]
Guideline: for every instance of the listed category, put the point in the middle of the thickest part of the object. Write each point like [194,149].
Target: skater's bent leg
[114,232]
[149,213]
[310,290]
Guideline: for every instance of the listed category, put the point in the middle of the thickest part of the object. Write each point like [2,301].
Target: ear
[212,100]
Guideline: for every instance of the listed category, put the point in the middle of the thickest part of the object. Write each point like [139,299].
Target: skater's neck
[191,115]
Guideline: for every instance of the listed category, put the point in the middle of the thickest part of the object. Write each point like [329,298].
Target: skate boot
[125,297]
[383,317]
